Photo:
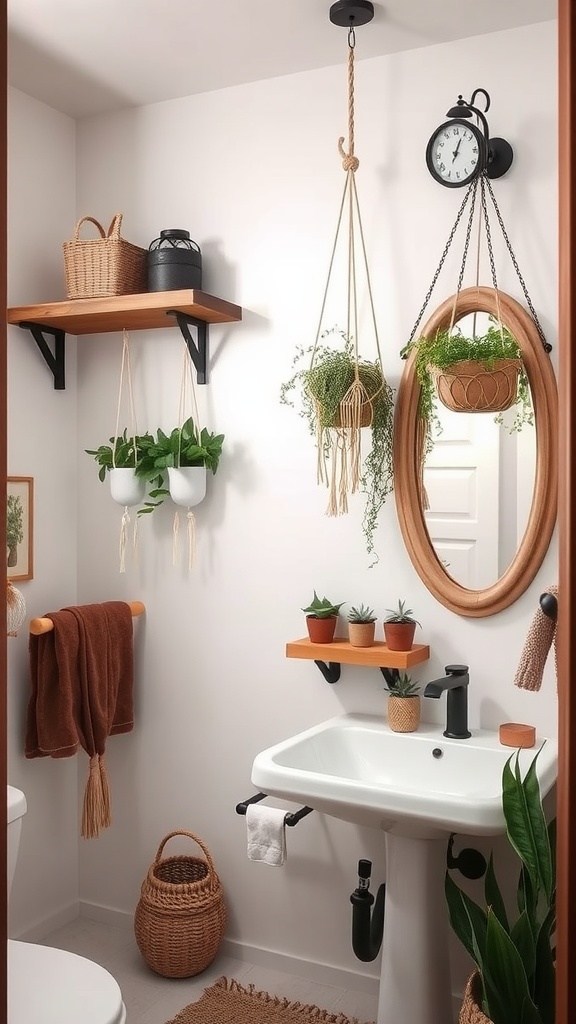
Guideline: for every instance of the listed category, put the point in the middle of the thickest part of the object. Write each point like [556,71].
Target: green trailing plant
[322,376]
[322,609]
[402,686]
[447,347]
[401,614]
[184,446]
[14,521]
[129,452]
[122,452]
[361,614]
[515,958]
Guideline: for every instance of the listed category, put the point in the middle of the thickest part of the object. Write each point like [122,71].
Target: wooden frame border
[542,517]
[566,787]
[24,485]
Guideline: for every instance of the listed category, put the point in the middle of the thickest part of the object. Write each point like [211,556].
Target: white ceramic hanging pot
[126,488]
[187,485]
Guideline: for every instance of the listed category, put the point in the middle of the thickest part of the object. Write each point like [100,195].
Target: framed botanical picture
[20,528]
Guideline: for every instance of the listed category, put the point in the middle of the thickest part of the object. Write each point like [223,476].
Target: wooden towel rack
[38,626]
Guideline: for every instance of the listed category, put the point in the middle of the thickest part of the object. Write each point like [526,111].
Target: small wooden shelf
[143,312]
[341,652]
[147,311]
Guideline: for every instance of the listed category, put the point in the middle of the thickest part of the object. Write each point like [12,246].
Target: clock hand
[455,153]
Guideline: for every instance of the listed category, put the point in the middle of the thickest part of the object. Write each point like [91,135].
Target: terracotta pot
[403,713]
[471,1011]
[361,634]
[321,631]
[399,636]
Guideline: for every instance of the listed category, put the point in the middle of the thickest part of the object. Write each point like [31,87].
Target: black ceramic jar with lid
[174,262]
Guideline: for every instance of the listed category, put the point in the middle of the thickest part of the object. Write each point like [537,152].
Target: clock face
[456,153]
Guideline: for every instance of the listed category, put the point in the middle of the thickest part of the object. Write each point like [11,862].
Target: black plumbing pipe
[367,924]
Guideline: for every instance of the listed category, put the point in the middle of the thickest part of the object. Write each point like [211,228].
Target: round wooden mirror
[526,560]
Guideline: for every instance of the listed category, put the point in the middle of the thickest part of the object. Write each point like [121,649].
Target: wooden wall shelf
[341,652]
[142,312]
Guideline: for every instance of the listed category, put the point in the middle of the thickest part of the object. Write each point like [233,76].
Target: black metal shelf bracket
[391,675]
[198,350]
[56,359]
[330,671]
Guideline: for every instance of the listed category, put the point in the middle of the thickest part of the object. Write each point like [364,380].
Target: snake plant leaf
[524,939]
[493,896]
[545,973]
[505,982]
[467,920]
[526,824]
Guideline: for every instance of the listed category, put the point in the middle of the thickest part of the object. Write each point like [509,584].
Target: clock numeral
[475,149]
[441,167]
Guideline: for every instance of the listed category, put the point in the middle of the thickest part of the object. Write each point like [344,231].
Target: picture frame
[20,527]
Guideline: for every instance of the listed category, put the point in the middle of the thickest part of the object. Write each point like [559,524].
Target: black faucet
[456,683]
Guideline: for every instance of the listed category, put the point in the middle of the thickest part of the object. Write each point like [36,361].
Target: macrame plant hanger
[339,444]
[126,370]
[187,396]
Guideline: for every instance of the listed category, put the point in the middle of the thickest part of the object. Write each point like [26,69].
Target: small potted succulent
[321,619]
[361,626]
[403,704]
[399,628]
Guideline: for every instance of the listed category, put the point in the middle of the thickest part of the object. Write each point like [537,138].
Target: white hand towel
[266,834]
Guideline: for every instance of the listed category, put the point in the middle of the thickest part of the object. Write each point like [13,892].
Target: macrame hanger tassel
[124,524]
[175,534]
[191,519]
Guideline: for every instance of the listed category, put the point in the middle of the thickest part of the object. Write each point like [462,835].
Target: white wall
[41,444]
[253,172]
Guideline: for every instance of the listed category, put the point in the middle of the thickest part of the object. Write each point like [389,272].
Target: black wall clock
[459,150]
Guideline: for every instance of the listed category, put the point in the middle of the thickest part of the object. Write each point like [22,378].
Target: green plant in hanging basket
[184,446]
[324,387]
[449,353]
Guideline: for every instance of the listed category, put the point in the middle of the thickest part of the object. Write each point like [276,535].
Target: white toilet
[52,986]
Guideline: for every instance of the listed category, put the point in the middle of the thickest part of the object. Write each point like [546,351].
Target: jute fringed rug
[228,1002]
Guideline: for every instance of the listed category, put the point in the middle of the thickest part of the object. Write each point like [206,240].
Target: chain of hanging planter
[477,374]
[342,392]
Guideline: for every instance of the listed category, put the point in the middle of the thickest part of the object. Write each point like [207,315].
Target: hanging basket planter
[474,386]
[187,485]
[126,488]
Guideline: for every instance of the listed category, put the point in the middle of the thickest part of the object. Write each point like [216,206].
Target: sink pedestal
[415,975]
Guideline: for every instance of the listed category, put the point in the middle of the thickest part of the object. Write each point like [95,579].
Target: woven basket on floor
[470,386]
[181,914]
[108,265]
[470,1011]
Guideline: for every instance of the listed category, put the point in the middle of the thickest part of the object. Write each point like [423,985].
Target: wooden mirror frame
[407,469]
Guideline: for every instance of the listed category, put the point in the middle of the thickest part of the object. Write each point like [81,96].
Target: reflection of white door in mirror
[530,480]
[479,481]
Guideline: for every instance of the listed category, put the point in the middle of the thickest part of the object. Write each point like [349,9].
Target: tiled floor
[151,999]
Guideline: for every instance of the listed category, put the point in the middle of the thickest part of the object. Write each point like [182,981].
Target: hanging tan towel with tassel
[82,678]
[541,637]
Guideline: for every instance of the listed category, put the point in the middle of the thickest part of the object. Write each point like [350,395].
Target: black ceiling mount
[351,13]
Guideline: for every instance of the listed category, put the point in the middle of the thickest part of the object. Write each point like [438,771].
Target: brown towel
[82,675]
[541,636]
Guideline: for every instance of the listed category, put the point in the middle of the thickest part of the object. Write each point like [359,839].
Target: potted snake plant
[514,979]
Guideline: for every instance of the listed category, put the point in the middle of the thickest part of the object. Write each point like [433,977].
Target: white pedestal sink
[418,787]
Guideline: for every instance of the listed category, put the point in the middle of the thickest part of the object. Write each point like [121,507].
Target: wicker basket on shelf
[181,915]
[108,265]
